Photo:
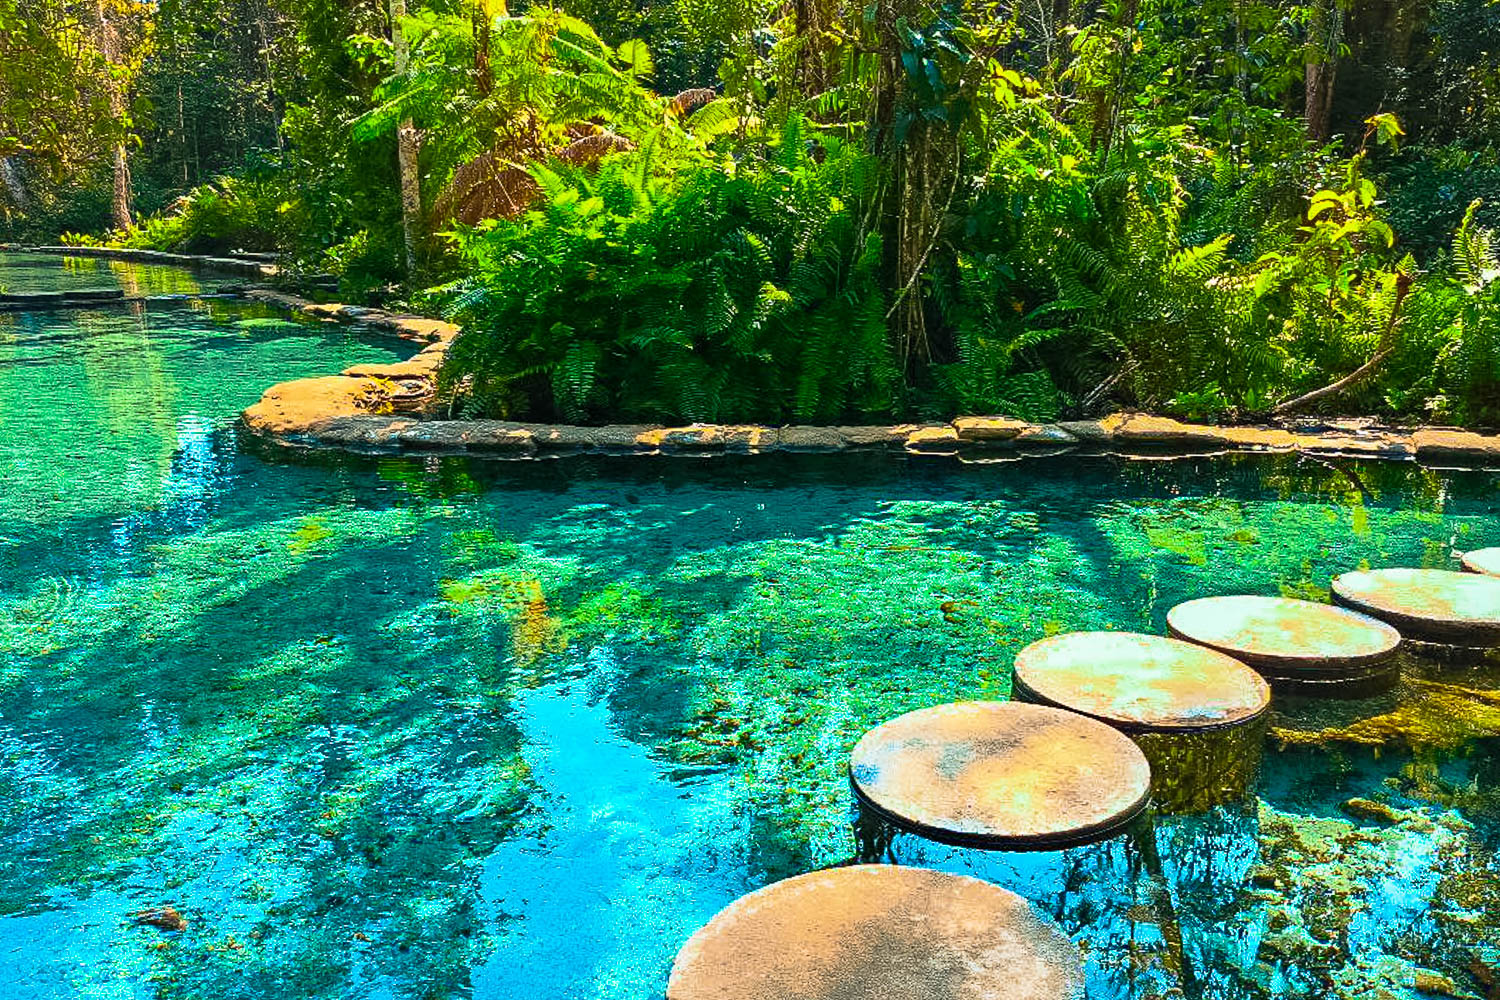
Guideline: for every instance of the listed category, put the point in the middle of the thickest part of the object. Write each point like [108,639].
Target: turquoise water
[427,728]
[37,272]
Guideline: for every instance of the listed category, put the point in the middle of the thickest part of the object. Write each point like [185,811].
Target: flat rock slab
[1001,775]
[1486,561]
[80,298]
[1285,637]
[878,932]
[1435,605]
[1141,683]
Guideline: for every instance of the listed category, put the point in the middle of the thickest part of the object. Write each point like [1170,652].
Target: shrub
[228,214]
[741,292]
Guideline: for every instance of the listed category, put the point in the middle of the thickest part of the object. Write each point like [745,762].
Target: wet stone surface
[1486,561]
[1436,605]
[878,932]
[1285,636]
[1001,775]
[1141,682]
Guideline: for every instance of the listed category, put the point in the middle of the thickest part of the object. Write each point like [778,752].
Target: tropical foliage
[819,212]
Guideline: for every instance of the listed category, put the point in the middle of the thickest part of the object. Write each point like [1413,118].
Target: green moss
[625,610]
[1430,716]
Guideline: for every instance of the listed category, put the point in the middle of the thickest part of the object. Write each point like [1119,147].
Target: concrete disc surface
[1282,635]
[1435,605]
[1141,682]
[1001,775]
[878,932]
[1486,561]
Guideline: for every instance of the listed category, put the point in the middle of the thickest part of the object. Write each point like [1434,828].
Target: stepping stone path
[1486,561]
[878,932]
[1141,683]
[1001,776]
[1301,646]
[1194,711]
[1431,605]
[1022,776]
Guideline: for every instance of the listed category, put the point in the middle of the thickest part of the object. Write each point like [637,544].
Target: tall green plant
[723,293]
[1468,362]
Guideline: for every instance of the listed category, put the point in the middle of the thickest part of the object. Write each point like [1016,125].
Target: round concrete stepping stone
[1001,775]
[1486,561]
[1285,637]
[1141,683]
[878,932]
[1434,605]
[1193,711]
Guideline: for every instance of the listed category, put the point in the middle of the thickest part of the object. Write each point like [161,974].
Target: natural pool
[392,728]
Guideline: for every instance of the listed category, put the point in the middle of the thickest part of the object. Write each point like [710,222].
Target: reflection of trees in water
[1195,771]
[139,279]
[1206,858]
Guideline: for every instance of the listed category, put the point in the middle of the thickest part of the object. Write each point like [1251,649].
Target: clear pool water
[386,728]
[39,272]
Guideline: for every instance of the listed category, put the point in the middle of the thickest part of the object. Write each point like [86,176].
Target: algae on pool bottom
[392,728]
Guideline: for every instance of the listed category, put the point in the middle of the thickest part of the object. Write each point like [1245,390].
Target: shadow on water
[441,728]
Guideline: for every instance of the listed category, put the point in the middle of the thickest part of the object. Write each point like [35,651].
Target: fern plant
[1075,285]
[738,291]
[1466,384]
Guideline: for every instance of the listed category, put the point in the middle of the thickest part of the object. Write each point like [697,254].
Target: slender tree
[1325,37]
[408,149]
[111,48]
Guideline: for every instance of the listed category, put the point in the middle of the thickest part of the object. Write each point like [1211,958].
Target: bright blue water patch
[629,854]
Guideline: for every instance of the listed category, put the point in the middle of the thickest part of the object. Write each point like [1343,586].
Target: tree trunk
[810,24]
[1108,99]
[14,183]
[120,202]
[1399,31]
[1319,100]
[1057,47]
[484,74]
[886,88]
[182,132]
[1060,11]
[1325,37]
[265,55]
[406,153]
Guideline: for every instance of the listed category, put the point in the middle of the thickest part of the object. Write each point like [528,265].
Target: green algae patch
[1321,883]
[1430,716]
[308,535]
[625,610]
[1188,545]
[275,324]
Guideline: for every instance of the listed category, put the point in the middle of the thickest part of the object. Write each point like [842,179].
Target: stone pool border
[241,266]
[385,409]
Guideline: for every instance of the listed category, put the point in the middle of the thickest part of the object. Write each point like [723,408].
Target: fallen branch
[1364,371]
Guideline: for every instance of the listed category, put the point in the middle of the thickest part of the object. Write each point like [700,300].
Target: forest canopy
[817,211]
